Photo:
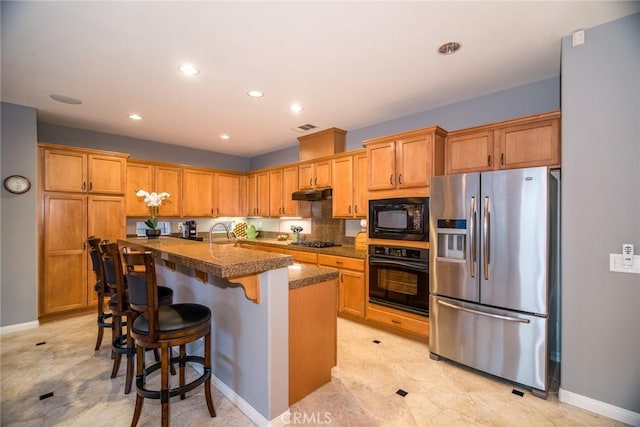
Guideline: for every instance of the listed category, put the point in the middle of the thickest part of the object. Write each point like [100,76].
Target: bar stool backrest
[143,291]
[114,276]
[96,263]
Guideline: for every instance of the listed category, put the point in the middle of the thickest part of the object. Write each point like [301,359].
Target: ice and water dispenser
[452,239]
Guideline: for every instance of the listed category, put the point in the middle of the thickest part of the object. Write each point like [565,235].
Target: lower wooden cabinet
[351,283]
[398,320]
[67,278]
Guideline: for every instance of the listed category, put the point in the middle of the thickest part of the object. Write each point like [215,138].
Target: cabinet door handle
[356,208]
[400,179]
[310,181]
[84,185]
[217,211]
[391,179]
[342,278]
[315,181]
[489,160]
[502,159]
[349,208]
[90,186]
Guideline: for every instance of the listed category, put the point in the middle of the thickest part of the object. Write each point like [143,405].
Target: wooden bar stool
[119,304]
[101,289]
[162,327]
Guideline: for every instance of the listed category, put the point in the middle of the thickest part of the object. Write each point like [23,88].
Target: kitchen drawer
[394,319]
[341,262]
[300,256]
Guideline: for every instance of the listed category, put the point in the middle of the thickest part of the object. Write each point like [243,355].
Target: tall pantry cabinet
[81,194]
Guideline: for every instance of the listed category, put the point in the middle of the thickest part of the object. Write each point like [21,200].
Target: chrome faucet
[226,229]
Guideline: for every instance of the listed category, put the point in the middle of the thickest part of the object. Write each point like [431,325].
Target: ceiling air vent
[304,128]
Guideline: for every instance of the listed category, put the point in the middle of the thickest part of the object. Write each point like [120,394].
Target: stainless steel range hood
[312,195]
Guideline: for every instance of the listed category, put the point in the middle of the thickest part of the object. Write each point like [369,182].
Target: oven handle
[423,268]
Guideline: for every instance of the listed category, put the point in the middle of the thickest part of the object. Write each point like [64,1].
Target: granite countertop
[223,259]
[344,251]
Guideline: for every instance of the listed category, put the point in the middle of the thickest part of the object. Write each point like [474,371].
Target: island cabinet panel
[312,338]
[79,171]
[197,192]
[522,142]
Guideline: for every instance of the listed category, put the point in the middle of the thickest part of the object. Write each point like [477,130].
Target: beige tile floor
[361,393]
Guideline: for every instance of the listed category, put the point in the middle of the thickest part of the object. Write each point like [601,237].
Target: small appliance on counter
[189,231]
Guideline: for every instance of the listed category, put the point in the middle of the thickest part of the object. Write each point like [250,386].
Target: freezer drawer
[503,343]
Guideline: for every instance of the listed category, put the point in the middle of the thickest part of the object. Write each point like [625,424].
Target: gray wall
[601,210]
[140,148]
[18,231]
[537,97]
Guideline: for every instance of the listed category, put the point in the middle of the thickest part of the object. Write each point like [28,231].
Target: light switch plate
[615,264]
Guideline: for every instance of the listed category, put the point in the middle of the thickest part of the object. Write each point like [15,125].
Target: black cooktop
[315,244]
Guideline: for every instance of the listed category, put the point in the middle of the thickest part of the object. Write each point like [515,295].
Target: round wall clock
[17,184]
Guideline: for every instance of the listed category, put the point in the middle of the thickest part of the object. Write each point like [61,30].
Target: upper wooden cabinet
[228,194]
[523,142]
[83,171]
[406,160]
[349,198]
[150,177]
[315,174]
[197,192]
[258,194]
[269,193]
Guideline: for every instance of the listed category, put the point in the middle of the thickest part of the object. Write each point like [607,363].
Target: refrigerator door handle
[482,313]
[472,232]
[486,232]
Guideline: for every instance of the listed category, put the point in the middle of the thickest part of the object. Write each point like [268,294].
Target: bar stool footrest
[157,394]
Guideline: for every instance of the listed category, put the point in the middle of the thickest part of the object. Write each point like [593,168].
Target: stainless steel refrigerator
[493,271]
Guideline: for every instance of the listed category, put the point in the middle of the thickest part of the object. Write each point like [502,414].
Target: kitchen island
[274,322]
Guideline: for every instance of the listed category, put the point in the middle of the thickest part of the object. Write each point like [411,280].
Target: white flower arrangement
[154,201]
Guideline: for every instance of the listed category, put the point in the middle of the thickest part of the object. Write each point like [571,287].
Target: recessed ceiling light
[225,136]
[296,108]
[449,48]
[255,94]
[65,99]
[188,69]
[135,116]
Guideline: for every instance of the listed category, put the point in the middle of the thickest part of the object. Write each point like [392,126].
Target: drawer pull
[397,322]
[339,262]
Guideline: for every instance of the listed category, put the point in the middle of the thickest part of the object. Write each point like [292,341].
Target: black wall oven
[404,218]
[399,278]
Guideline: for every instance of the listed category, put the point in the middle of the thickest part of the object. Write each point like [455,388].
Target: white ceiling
[350,64]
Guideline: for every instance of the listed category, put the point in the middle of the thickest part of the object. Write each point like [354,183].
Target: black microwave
[405,218]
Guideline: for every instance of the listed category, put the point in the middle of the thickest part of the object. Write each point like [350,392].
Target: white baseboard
[601,408]
[19,327]
[249,410]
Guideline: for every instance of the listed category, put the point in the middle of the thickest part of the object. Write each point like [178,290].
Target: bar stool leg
[182,364]
[207,365]
[117,334]
[131,352]
[140,382]
[164,389]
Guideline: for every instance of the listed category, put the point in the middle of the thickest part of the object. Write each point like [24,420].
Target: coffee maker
[189,230]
